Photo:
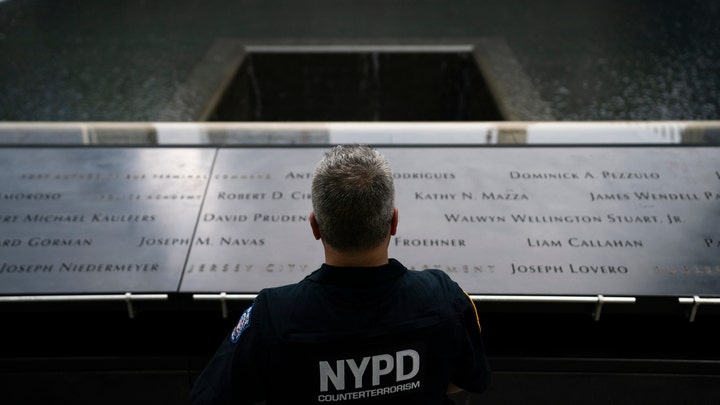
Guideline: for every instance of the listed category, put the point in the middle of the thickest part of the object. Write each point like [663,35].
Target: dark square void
[371,86]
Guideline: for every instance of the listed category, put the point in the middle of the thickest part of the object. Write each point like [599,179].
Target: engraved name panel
[254,229]
[515,220]
[98,220]
[614,221]
[561,220]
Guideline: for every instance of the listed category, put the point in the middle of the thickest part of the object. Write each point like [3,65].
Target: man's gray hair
[353,197]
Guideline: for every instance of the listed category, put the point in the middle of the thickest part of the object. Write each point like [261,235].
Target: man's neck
[366,258]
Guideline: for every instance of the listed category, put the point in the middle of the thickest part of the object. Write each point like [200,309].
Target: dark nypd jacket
[351,336]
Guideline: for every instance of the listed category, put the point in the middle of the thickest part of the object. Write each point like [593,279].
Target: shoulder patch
[243,324]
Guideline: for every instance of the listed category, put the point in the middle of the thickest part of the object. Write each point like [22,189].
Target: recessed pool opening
[357,86]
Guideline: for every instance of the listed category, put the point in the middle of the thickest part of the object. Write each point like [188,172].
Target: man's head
[353,198]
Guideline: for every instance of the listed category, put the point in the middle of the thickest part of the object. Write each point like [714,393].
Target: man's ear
[394,223]
[314,226]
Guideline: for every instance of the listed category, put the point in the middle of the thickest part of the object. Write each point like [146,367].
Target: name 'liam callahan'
[585,243]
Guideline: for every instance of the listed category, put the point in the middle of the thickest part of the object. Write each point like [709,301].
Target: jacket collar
[357,276]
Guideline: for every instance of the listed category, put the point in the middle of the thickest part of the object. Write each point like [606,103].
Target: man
[362,329]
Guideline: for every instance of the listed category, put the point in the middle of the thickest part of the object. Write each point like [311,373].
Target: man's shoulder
[431,275]
[287,291]
[433,284]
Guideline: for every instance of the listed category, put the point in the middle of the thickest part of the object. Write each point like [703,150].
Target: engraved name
[77,218]
[37,241]
[25,268]
[567,269]
[107,267]
[223,195]
[31,196]
[424,176]
[605,174]
[79,268]
[514,175]
[712,243]
[429,242]
[689,269]
[647,196]
[422,196]
[585,243]
[563,219]
[247,268]
[149,241]
[122,218]
[630,175]
[230,241]
[456,268]
[256,217]
[242,176]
